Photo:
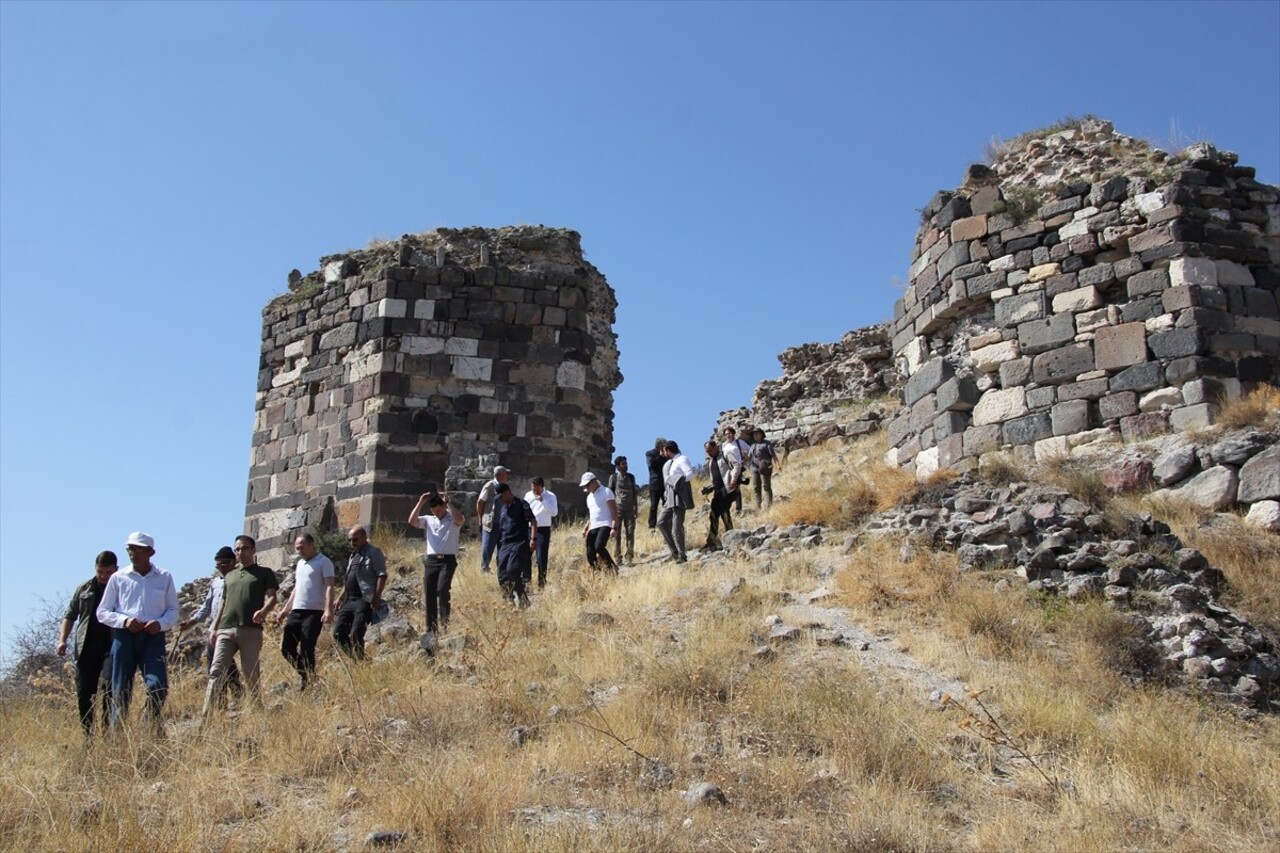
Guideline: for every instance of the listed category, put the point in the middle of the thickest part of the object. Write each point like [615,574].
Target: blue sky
[746,176]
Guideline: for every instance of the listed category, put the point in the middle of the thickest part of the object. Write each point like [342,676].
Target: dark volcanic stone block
[1042,335]
[925,380]
[1027,430]
[1063,364]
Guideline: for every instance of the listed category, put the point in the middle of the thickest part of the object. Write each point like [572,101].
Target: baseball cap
[141,539]
[500,470]
[586,479]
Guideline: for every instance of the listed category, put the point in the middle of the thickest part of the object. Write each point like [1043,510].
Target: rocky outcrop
[824,391]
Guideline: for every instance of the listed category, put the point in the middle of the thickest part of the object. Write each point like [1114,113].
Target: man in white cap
[484,511]
[139,604]
[602,520]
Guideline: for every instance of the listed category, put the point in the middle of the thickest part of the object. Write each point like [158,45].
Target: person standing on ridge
[545,507]
[440,524]
[485,506]
[308,608]
[92,648]
[139,605]
[623,485]
[655,459]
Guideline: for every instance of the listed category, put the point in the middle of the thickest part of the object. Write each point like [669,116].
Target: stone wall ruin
[1084,288]
[422,363]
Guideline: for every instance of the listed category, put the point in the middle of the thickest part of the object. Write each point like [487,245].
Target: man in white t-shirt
[602,520]
[308,609]
[545,507]
[440,524]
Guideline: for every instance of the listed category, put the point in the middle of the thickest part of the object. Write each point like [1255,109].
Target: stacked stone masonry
[1113,293]
[422,363]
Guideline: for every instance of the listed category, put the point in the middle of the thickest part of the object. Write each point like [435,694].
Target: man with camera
[726,472]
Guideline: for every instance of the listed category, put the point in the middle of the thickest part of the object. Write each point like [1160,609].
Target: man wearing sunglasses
[362,593]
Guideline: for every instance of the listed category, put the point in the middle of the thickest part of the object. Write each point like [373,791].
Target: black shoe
[682,559]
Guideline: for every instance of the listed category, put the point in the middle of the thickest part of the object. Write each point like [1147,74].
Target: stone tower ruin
[1084,288]
[423,363]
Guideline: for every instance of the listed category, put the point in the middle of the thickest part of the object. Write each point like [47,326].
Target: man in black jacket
[93,639]
[655,459]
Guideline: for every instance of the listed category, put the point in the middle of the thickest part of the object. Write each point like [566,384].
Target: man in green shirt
[248,594]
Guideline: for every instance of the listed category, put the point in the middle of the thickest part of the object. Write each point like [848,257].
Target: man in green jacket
[92,646]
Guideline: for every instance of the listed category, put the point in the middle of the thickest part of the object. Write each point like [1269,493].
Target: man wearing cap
[93,639]
[485,506]
[440,524]
[248,595]
[224,561]
[677,479]
[623,485]
[308,608]
[362,593]
[602,520]
[139,604]
[515,530]
[545,507]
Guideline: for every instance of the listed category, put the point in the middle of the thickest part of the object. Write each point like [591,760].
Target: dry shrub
[1260,408]
[1003,626]
[880,575]
[1001,469]
[1248,557]
[1079,479]
[846,500]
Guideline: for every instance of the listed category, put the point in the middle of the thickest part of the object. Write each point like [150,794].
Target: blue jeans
[488,544]
[129,654]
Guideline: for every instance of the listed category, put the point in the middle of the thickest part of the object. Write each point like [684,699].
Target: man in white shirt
[441,524]
[737,450]
[308,608]
[545,507]
[677,478]
[139,604]
[602,520]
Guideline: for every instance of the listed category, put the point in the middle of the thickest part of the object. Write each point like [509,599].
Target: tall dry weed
[1259,408]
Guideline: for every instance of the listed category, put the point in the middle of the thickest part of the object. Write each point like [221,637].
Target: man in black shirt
[93,639]
[516,530]
[655,459]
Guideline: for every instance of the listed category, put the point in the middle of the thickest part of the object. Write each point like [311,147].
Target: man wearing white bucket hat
[139,604]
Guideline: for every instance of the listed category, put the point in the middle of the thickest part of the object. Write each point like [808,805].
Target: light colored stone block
[461,346]
[926,463]
[1149,203]
[1075,301]
[1043,271]
[1052,448]
[571,374]
[1120,346]
[1187,418]
[1163,323]
[1161,398]
[1004,263]
[984,340]
[468,367]
[998,406]
[424,309]
[915,354]
[420,345]
[1078,228]
[990,358]
[1185,271]
[1089,321]
[393,308]
[1266,515]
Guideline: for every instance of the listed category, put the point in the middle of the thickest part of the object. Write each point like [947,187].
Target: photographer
[726,472]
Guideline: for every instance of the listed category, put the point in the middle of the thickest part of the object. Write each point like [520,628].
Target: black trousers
[437,582]
[544,549]
[301,632]
[721,502]
[655,500]
[598,549]
[514,562]
[350,625]
[89,685]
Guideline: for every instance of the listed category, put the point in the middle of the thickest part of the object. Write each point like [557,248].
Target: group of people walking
[121,617]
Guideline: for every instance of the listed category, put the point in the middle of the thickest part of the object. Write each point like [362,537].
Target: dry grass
[841,492]
[813,751]
[1259,408]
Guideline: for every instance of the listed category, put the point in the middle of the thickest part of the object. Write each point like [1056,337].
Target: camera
[706,490]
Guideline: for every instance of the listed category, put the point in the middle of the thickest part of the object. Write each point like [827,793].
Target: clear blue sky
[746,176]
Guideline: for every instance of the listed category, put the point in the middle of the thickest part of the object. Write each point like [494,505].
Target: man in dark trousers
[725,472]
[92,646]
[623,485]
[655,459]
[362,593]
[516,531]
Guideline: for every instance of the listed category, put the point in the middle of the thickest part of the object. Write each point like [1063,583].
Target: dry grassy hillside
[578,723]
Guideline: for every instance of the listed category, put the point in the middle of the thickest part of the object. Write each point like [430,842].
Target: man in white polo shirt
[441,525]
[602,520]
[545,507]
[308,608]
[139,604]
